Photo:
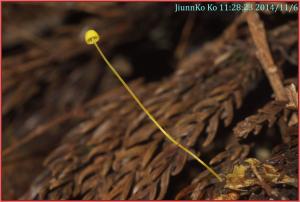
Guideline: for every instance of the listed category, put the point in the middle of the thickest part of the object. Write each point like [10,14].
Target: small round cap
[91,37]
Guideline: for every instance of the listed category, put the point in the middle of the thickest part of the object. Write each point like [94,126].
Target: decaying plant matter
[276,178]
[45,64]
[217,102]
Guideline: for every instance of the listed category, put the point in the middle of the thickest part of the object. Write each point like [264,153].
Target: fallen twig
[258,34]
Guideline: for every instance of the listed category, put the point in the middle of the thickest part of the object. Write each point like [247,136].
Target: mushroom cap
[91,37]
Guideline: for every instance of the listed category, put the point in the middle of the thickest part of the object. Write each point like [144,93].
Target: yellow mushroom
[92,37]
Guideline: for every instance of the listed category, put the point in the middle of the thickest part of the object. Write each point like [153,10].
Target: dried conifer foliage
[217,102]
[276,178]
[108,156]
[45,63]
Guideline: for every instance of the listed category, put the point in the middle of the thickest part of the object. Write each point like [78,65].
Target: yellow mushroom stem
[92,37]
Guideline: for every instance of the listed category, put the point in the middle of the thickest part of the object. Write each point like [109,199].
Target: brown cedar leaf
[136,138]
[228,112]
[212,129]
[266,115]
